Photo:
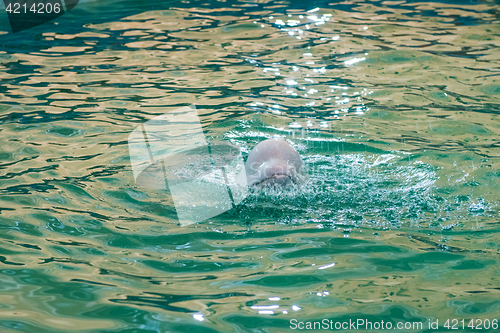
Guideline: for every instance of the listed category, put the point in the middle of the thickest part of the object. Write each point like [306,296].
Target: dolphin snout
[279,173]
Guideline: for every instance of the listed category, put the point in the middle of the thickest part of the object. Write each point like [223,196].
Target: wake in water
[350,189]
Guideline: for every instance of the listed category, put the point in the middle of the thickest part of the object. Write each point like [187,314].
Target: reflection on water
[392,104]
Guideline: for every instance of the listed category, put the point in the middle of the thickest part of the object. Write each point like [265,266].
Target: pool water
[392,104]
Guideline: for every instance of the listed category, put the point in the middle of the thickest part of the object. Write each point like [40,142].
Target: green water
[393,105]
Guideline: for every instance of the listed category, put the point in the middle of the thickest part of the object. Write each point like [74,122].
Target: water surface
[393,105]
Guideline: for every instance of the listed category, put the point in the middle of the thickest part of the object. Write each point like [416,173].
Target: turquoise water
[393,105]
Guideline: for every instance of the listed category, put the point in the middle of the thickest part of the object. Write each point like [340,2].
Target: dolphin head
[274,162]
